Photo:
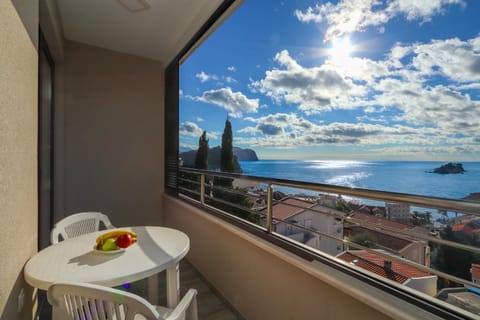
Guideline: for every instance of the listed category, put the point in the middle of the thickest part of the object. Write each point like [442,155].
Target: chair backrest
[89,301]
[78,224]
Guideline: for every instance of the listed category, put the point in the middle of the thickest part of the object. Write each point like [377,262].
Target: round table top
[156,249]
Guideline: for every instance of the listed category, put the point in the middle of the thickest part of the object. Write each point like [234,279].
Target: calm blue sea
[413,177]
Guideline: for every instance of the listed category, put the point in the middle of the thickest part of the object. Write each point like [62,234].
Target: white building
[399,212]
[292,211]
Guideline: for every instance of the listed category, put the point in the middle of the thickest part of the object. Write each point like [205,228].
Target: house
[393,270]
[108,120]
[475,270]
[296,212]
[404,246]
[371,219]
[467,229]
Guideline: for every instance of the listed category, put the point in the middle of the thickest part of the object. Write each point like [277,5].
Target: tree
[226,156]
[201,157]
[452,260]
[224,186]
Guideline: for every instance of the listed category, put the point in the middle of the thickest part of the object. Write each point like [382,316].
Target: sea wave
[348,180]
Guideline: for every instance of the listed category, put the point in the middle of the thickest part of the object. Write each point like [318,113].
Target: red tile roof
[458,227]
[382,221]
[283,210]
[468,226]
[383,239]
[476,271]
[399,272]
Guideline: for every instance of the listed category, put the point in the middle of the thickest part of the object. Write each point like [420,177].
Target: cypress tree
[226,156]
[224,186]
[201,157]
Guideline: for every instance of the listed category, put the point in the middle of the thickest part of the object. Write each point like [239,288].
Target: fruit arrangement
[115,239]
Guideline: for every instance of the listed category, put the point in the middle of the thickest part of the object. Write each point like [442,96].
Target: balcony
[397,243]
[109,114]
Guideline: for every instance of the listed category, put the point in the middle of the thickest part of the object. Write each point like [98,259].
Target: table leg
[152,289]
[173,286]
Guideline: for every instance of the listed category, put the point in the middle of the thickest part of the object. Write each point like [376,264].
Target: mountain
[183,149]
[239,154]
[244,154]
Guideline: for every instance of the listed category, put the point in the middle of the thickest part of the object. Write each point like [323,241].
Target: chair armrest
[187,306]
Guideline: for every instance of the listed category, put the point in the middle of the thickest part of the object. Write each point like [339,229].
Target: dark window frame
[43,48]
[172,107]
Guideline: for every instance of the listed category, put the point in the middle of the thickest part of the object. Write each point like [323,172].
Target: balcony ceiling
[158,32]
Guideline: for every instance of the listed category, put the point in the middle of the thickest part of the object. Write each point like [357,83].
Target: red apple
[124,240]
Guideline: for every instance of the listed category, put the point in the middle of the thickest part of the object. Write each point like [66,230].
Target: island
[450,168]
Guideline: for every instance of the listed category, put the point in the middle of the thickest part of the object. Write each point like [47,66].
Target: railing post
[202,188]
[269,208]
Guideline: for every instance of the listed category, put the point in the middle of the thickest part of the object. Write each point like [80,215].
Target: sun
[340,50]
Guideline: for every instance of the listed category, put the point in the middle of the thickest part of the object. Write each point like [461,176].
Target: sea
[410,177]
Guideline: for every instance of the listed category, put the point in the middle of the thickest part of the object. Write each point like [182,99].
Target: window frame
[171,134]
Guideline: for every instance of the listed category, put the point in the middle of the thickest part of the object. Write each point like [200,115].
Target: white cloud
[313,89]
[191,129]
[452,58]
[200,119]
[232,69]
[236,103]
[206,77]
[290,130]
[400,83]
[229,79]
[348,16]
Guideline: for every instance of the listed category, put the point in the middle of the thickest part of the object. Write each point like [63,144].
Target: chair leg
[152,289]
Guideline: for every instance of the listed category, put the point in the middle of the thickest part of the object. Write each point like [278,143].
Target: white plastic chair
[89,301]
[77,224]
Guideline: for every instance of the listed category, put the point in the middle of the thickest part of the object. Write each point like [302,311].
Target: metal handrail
[463,206]
[429,202]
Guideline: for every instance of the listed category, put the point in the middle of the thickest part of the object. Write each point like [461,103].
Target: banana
[115,234]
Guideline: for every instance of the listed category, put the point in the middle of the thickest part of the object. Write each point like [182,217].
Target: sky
[348,79]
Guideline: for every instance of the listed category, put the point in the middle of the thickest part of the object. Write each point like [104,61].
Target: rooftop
[399,272]
[379,220]
[476,271]
[285,209]
[394,242]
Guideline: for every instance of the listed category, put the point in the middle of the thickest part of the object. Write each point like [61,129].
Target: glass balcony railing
[428,244]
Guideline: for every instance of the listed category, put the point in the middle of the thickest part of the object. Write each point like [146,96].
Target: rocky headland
[239,154]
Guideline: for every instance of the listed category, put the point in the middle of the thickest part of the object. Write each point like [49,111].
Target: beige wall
[257,282]
[113,134]
[18,152]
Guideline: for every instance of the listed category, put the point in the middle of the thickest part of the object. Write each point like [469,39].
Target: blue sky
[349,79]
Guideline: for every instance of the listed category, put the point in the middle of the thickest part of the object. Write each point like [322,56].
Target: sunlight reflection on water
[335,164]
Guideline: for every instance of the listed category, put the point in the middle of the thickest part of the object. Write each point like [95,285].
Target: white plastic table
[75,259]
